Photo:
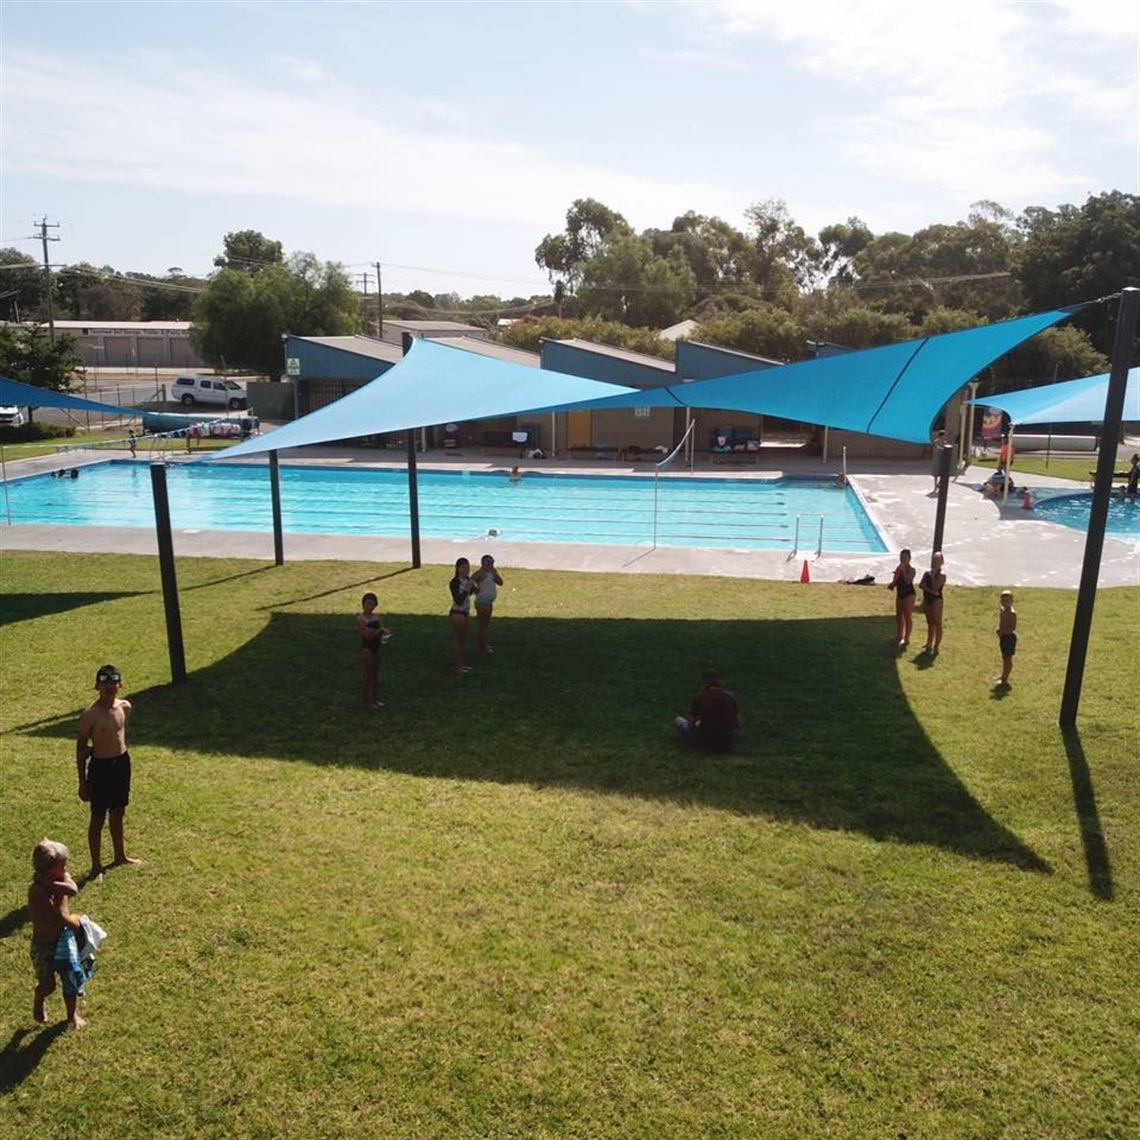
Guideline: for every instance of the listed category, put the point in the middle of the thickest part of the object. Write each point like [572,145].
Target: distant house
[683,328]
[393,331]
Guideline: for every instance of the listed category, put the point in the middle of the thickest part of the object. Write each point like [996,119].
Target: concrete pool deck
[985,543]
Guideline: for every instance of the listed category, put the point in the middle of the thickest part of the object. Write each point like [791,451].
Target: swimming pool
[742,514]
[1073,511]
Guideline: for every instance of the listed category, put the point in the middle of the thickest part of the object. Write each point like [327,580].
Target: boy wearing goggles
[104,766]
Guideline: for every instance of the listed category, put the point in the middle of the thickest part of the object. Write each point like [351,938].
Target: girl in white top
[487,580]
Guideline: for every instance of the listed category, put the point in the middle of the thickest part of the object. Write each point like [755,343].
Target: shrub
[29,433]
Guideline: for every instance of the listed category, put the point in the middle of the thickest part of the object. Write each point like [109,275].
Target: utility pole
[45,225]
[379,303]
[363,277]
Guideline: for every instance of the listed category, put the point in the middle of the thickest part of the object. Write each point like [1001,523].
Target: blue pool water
[1073,511]
[746,514]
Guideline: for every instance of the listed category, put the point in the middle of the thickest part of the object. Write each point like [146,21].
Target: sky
[445,140]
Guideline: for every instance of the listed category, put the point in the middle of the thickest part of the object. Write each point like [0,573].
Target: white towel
[94,935]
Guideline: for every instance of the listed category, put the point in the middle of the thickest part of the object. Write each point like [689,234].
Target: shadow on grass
[18,1061]
[228,578]
[14,920]
[829,738]
[1092,837]
[25,607]
[363,584]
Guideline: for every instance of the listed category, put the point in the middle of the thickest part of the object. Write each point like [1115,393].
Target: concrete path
[985,543]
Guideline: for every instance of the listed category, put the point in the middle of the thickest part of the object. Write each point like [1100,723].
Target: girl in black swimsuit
[902,582]
[932,583]
[462,586]
[372,632]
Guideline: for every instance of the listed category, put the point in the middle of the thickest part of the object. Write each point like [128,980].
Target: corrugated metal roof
[360,345]
[124,326]
[490,348]
[749,356]
[619,353]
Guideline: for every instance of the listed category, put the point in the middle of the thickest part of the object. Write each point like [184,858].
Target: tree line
[769,288]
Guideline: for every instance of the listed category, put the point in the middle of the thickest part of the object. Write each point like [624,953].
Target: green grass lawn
[510,905]
[105,437]
[1037,464]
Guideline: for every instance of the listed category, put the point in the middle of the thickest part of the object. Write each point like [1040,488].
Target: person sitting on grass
[714,716]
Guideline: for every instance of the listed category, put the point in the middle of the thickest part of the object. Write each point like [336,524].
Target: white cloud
[185,125]
[983,97]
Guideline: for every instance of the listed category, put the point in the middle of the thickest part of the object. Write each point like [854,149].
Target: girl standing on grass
[372,638]
[932,583]
[488,581]
[462,587]
[902,582]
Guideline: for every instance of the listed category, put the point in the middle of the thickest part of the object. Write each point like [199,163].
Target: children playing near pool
[932,583]
[1007,637]
[373,635]
[487,579]
[104,766]
[52,887]
[902,581]
[461,588]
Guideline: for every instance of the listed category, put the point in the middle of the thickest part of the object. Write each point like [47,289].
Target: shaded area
[829,740]
[14,920]
[1088,816]
[25,607]
[18,1060]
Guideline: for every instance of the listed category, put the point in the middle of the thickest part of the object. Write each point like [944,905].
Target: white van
[190,390]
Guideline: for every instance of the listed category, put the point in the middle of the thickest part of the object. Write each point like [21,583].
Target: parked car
[11,416]
[191,390]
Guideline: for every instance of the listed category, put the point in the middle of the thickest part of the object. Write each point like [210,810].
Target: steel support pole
[275,496]
[413,483]
[945,455]
[169,577]
[1098,513]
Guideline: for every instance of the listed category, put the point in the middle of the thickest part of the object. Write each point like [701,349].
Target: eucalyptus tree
[589,225]
[625,281]
[1078,253]
[241,315]
[21,286]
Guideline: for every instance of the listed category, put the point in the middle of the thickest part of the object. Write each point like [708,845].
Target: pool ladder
[796,541]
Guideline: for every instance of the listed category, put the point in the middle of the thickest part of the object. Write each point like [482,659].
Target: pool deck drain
[985,543]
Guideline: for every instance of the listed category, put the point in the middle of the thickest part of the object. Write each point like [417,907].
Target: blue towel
[75,968]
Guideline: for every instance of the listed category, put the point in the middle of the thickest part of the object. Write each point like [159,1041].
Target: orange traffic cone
[805,573]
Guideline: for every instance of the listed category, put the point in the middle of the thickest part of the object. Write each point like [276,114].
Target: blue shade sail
[29,396]
[895,391]
[1070,402]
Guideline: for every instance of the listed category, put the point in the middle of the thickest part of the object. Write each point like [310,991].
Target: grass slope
[511,905]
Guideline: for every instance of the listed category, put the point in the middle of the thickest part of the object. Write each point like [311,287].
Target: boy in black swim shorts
[103,765]
[1007,637]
